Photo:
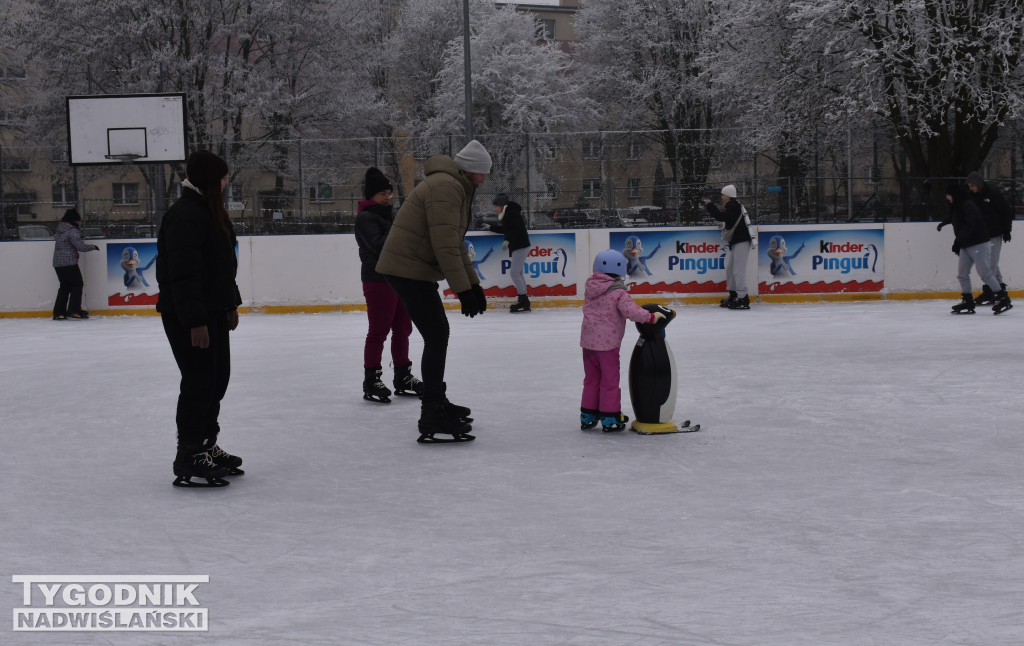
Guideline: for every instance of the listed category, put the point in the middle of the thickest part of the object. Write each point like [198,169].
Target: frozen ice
[857,480]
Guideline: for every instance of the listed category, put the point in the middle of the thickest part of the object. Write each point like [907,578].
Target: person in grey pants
[973,247]
[737,236]
[517,241]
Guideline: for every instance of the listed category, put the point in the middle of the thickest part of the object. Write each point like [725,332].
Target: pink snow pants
[601,390]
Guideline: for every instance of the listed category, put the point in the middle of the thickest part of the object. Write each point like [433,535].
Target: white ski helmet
[610,261]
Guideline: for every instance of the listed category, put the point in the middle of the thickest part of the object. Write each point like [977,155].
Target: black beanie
[501,199]
[375,182]
[205,169]
[72,216]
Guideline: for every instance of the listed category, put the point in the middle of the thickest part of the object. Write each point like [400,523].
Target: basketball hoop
[125,158]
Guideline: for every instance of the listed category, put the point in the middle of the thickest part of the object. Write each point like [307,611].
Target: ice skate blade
[186,481]
[455,439]
[666,428]
[379,400]
[235,471]
[1008,307]
[407,393]
[964,312]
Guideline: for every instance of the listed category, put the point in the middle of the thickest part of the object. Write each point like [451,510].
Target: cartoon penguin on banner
[653,380]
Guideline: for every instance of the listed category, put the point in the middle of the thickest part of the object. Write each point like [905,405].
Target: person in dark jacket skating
[737,237]
[972,246]
[517,241]
[384,311]
[198,305]
[998,216]
[68,243]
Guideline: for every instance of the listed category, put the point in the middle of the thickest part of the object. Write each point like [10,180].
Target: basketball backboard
[112,129]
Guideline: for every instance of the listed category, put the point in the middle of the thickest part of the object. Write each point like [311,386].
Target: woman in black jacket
[737,237]
[517,241]
[973,247]
[384,311]
[198,304]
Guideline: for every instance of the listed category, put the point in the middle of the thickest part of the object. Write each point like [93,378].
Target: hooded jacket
[426,241]
[372,226]
[995,210]
[513,226]
[968,223]
[68,244]
[195,263]
[606,306]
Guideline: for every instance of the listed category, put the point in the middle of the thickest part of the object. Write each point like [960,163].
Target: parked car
[93,232]
[34,232]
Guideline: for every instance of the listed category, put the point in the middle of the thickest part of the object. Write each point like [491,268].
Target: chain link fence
[570,180]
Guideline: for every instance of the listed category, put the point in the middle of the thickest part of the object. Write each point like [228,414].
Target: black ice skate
[986,297]
[740,304]
[965,306]
[1002,302]
[405,383]
[726,302]
[222,458]
[521,305]
[374,389]
[435,419]
[195,461]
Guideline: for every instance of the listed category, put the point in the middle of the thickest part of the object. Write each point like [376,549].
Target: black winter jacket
[195,263]
[373,222]
[994,209]
[514,227]
[733,212]
[968,223]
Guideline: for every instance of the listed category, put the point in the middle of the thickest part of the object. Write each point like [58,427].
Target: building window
[547,153]
[16,164]
[58,154]
[552,189]
[545,29]
[592,148]
[633,188]
[634,148]
[64,194]
[592,189]
[12,71]
[126,193]
[321,192]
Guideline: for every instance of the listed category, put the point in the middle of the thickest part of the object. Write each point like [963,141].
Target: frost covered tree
[523,92]
[942,75]
[642,60]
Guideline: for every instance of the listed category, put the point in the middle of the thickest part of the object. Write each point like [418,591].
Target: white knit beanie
[474,158]
[729,190]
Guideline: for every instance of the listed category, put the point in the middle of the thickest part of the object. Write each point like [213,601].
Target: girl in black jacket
[198,304]
[737,237]
[384,311]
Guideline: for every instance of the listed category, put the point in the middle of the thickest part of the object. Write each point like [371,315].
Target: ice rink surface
[859,480]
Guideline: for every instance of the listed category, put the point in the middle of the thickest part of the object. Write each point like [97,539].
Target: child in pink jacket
[606,307]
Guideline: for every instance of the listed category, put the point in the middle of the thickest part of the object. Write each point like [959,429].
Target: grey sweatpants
[518,260]
[736,268]
[997,249]
[977,256]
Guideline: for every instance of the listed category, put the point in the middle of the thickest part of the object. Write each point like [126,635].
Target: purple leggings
[386,314]
[601,381]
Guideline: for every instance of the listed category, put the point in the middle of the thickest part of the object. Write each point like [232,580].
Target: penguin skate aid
[653,379]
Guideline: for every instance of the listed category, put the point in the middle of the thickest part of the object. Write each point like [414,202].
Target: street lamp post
[468,79]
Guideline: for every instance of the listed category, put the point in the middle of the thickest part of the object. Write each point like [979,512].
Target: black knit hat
[72,216]
[375,182]
[501,199]
[205,169]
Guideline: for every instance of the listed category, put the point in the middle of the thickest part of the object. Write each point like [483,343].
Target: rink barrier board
[915,264]
[501,305]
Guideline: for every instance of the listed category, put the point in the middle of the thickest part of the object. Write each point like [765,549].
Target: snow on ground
[858,481]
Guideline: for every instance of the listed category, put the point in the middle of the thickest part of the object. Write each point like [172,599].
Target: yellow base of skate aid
[647,428]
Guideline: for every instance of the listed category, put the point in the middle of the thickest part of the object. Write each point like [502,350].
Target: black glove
[469,304]
[1006,237]
[481,300]
[956,248]
[941,224]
